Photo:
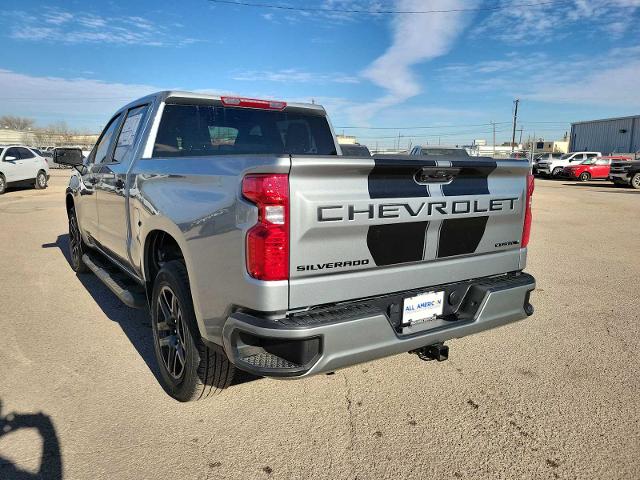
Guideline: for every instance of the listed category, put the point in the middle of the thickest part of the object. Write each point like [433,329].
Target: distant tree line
[57,133]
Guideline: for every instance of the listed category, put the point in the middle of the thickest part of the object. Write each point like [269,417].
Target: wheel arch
[167,237]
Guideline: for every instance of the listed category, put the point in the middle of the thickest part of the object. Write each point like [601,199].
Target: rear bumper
[330,339]
[620,177]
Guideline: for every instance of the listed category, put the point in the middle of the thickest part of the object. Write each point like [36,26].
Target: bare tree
[16,123]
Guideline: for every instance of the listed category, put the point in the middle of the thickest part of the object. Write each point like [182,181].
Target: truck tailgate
[368,226]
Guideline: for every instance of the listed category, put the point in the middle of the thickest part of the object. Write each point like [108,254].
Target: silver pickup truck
[257,245]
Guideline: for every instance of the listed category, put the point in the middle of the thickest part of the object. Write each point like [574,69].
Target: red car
[592,168]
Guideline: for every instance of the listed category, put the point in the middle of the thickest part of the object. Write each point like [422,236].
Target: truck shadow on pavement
[134,323]
[51,459]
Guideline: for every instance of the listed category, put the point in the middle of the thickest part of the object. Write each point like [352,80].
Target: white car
[21,165]
[554,166]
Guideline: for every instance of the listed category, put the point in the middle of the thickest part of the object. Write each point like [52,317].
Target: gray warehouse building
[610,135]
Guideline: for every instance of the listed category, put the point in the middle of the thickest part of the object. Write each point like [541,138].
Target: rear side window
[25,153]
[202,130]
[129,133]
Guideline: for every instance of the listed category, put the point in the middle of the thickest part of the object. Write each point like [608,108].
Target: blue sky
[78,61]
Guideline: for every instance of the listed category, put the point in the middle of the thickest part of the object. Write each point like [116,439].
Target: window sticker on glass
[129,130]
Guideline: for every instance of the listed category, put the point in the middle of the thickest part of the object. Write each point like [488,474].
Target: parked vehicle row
[585,166]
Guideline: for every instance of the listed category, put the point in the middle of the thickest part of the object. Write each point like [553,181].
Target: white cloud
[60,26]
[608,79]
[78,101]
[294,76]
[613,87]
[543,23]
[416,39]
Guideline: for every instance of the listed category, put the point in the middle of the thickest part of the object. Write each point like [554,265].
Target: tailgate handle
[436,174]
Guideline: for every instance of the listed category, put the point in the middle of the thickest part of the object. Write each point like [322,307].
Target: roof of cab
[165,94]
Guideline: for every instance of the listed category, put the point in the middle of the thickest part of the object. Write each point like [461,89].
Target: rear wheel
[76,244]
[189,369]
[584,177]
[635,181]
[41,180]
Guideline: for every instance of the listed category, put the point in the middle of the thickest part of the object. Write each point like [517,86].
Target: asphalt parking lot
[554,396]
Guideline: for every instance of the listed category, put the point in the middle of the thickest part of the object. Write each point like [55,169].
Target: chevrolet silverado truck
[255,244]
[625,173]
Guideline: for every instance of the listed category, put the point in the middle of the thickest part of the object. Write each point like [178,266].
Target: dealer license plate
[422,308]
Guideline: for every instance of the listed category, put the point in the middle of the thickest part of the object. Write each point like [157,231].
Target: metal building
[610,135]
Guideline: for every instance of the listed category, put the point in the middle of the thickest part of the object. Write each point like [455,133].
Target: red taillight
[253,103]
[526,229]
[268,241]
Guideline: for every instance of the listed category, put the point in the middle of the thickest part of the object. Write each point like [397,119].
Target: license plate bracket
[423,308]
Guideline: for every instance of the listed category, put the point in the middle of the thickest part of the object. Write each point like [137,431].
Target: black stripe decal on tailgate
[461,236]
[400,242]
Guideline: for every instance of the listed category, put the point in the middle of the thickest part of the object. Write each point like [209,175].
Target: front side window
[13,153]
[203,130]
[102,148]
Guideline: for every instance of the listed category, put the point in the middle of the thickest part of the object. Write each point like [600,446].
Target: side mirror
[68,156]
[10,159]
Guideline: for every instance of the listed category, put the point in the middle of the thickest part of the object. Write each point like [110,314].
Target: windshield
[1,150]
[203,130]
[566,156]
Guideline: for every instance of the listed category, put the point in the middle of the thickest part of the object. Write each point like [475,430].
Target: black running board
[131,295]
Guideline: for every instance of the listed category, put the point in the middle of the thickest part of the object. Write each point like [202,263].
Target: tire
[41,180]
[77,247]
[635,181]
[199,371]
[584,177]
[556,172]
[3,185]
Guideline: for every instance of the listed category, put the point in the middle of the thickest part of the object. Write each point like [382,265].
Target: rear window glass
[445,152]
[202,130]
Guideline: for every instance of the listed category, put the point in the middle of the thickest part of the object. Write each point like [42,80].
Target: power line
[383,12]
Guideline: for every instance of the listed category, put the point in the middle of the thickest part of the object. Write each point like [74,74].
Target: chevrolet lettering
[371,211]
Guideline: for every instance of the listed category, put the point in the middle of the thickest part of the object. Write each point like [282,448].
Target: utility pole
[520,141]
[493,124]
[515,119]
[398,141]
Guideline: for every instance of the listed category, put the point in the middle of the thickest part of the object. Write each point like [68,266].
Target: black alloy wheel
[171,333]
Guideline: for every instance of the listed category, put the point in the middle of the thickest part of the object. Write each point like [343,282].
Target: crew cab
[625,173]
[256,246]
[20,165]
[554,167]
[592,169]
